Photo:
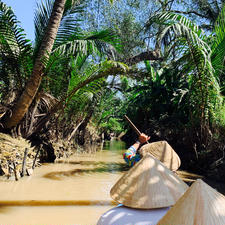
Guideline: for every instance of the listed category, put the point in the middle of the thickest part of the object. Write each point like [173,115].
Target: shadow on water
[4,209]
[86,163]
[102,167]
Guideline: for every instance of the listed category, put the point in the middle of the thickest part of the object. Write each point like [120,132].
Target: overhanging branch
[148,55]
[189,13]
[59,105]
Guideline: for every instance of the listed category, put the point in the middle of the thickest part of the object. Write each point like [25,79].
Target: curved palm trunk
[31,88]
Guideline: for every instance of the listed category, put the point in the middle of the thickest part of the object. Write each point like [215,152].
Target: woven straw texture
[147,185]
[163,152]
[200,205]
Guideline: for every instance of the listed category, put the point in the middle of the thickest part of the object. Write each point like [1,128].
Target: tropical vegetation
[92,62]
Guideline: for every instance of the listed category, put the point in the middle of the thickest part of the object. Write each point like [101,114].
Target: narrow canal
[72,191]
[69,192]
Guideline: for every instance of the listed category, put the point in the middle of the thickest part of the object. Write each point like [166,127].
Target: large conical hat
[200,205]
[163,152]
[147,185]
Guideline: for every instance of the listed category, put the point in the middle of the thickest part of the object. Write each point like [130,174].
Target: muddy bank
[17,157]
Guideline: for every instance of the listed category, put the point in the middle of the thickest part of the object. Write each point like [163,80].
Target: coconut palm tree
[194,51]
[33,84]
[52,46]
[217,41]
[15,54]
[194,65]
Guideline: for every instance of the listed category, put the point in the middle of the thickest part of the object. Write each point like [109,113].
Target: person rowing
[159,149]
[150,187]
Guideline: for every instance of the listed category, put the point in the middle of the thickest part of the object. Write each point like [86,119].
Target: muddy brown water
[70,191]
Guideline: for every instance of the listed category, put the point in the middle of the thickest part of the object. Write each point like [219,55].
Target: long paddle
[133,126]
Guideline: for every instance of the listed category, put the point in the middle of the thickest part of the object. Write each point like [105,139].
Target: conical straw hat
[147,185]
[200,205]
[163,152]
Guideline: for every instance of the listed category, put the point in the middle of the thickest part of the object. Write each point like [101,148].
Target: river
[72,191]
[68,192]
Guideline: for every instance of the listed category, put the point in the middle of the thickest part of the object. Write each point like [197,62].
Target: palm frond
[218,51]
[104,42]
[204,94]
[41,18]
[181,26]
[70,23]
[68,26]
[74,47]
[15,49]
[95,72]
[11,32]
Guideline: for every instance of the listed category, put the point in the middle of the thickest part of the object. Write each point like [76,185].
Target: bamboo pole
[35,158]
[15,172]
[24,162]
[133,126]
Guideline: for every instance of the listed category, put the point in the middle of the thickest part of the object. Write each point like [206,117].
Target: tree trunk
[87,119]
[74,131]
[31,88]
[149,55]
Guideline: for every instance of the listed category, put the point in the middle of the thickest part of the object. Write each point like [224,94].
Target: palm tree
[15,55]
[198,59]
[217,40]
[33,84]
[195,52]
[69,45]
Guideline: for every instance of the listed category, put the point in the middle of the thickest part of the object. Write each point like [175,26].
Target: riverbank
[18,157]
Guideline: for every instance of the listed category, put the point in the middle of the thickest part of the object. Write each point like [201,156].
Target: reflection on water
[114,145]
[4,209]
[72,191]
[100,167]
[64,192]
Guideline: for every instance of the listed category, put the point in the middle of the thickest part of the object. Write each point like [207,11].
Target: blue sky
[24,10]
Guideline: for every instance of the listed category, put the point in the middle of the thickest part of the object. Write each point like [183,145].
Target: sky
[24,10]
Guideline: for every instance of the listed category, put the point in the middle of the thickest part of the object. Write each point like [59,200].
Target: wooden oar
[133,126]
